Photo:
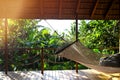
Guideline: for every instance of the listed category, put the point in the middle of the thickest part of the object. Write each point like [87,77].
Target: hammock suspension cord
[54,30]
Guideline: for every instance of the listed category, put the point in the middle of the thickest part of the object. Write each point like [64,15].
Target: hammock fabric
[83,55]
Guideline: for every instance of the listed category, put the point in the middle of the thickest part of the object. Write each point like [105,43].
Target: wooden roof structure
[60,9]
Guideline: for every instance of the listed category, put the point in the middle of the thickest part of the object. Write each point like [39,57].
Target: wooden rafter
[54,9]
[109,7]
[41,7]
[78,5]
[60,8]
[94,8]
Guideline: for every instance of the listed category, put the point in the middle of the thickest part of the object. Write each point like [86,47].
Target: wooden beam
[109,7]
[60,8]
[94,8]
[78,5]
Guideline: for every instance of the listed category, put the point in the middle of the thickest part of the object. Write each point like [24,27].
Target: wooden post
[119,34]
[6,47]
[76,38]
[76,67]
[42,61]
[119,43]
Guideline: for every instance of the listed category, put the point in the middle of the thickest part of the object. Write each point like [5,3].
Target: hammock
[81,54]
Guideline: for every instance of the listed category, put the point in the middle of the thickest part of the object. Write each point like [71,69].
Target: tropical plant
[100,34]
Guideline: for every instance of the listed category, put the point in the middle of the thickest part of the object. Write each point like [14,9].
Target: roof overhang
[60,9]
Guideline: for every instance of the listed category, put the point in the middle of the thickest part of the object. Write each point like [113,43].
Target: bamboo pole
[6,46]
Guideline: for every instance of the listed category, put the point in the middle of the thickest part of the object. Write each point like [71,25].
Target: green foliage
[70,36]
[26,33]
[100,34]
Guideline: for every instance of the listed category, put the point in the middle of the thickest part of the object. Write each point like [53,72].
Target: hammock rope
[55,30]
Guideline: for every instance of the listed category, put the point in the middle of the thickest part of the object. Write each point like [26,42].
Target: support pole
[42,61]
[119,34]
[119,43]
[76,38]
[6,46]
